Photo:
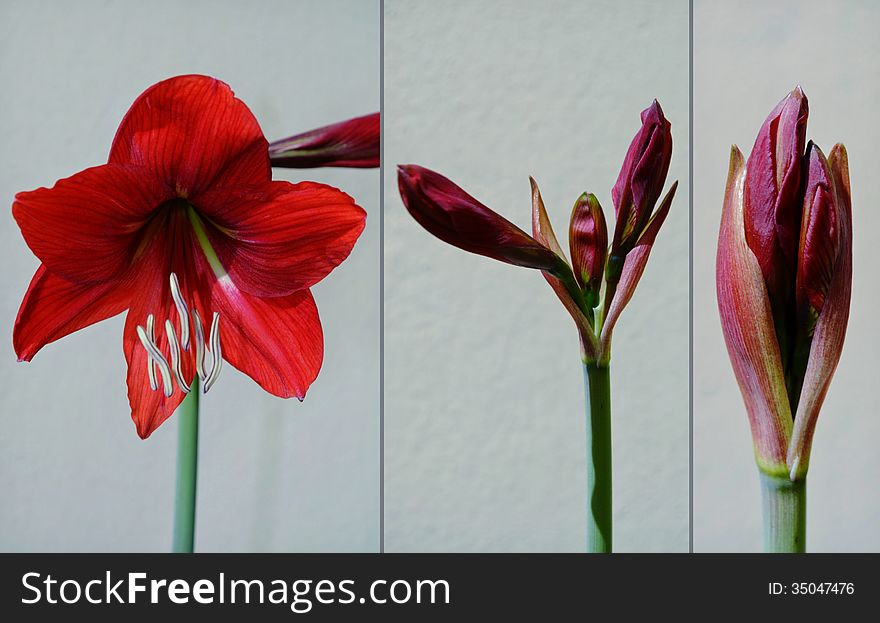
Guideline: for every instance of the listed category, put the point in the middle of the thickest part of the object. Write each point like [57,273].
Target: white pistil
[200,345]
[216,353]
[182,312]
[175,357]
[156,356]
[151,365]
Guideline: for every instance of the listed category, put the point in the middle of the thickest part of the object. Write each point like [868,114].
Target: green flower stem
[785,514]
[187,466]
[597,378]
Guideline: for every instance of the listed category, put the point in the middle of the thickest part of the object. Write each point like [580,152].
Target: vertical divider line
[691,277]
[381,276]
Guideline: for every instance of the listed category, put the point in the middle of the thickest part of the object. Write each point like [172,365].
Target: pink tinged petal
[352,143]
[278,341]
[87,228]
[747,323]
[633,267]
[588,241]
[194,135]
[54,307]
[281,237]
[772,190]
[542,230]
[830,331]
[820,234]
[453,216]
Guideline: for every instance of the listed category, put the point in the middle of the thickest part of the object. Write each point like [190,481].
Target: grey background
[748,55]
[274,474]
[484,424]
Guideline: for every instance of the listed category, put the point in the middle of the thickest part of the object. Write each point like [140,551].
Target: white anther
[200,345]
[153,354]
[175,357]
[182,312]
[216,353]
[151,365]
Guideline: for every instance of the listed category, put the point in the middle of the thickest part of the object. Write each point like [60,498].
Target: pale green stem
[597,378]
[785,514]
[187,467]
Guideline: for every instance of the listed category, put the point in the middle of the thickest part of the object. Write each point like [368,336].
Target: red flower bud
[772,199]
[455,217]
[820,234]
[352,143]
[641,180]
[588,241]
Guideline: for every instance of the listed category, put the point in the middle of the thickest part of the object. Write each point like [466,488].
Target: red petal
[281,237]
[820,234]
[772,191]
[352,143]
[194,134]
[87,226]
[277,341]
[54,307]
[149,407]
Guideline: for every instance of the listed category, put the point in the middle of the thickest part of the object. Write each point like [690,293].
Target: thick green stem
[597,378]
[187,466]
[785,514]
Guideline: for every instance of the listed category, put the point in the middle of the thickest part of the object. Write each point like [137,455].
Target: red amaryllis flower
[352,143]
[185,229]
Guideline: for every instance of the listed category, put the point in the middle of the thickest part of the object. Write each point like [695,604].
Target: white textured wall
[274,474]
[484,424]
[748,55]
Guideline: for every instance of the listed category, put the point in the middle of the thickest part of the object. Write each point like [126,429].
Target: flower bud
[588,241]
[772,199]
[452,215]
[352,143]
[640,181]
[820,234]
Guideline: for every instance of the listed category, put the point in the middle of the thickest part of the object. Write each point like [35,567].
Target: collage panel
[795,90]
[88,461]
[486,438]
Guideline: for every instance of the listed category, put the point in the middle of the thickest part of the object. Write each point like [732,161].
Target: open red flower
[185,229]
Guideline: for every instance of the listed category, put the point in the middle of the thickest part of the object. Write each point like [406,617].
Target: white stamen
[206,346]
[154,355]
[151,365]
[200,345]
[182,312]
[175,357]
[216,353]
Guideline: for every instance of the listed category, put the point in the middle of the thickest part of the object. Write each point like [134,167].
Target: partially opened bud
[588,241]
[640,181]
[820,234]
[352,143]
[455,217]
[784,275]
[772,197]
